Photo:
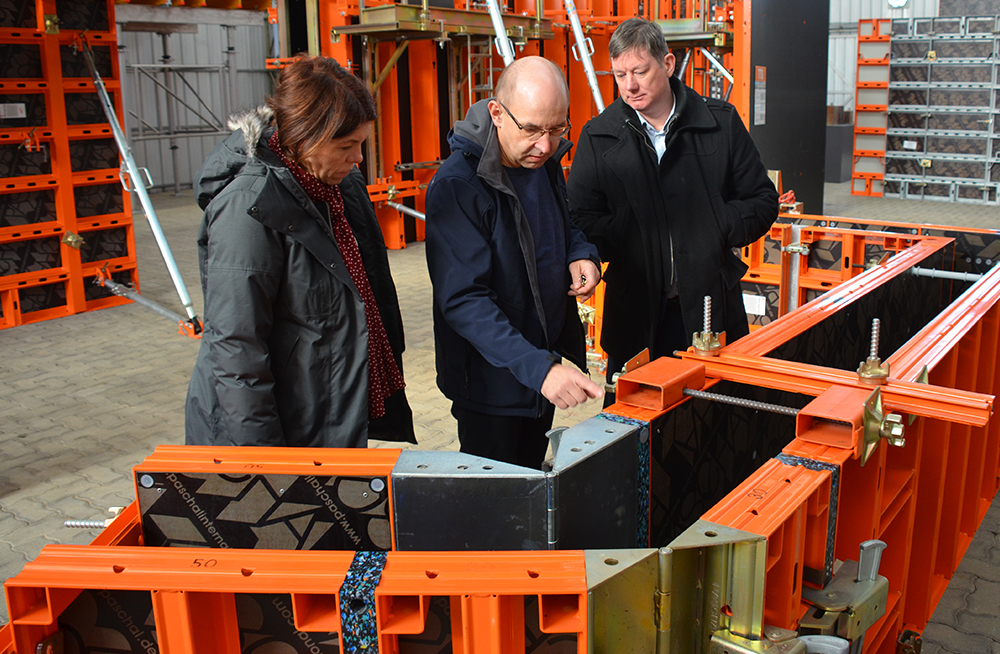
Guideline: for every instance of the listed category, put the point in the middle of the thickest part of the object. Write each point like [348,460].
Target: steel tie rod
[739,401]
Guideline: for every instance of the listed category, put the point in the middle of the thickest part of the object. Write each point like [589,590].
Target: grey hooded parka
[284,354]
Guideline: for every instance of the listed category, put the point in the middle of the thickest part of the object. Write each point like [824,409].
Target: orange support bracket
[659,384]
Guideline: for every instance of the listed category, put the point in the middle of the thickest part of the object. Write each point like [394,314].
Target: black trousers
[511,439]
[669,338]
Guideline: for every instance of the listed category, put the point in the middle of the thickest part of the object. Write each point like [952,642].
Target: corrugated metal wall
[844,17]
[146,102]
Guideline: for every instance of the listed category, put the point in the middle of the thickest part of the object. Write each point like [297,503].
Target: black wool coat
[709,194]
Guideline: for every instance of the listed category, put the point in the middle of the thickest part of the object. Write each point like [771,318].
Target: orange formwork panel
[194,595]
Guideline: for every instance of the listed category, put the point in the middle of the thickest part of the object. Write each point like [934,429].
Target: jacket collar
[691,112]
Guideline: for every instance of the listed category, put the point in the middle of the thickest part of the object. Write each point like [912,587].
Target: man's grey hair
[638,34]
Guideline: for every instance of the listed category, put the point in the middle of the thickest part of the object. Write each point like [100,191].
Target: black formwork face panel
[903,305]
[702,450]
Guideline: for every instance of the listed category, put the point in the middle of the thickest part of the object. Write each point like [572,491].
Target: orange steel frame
[57,135]
[924,500]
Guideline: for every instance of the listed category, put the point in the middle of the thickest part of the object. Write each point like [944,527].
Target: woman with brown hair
[303,338]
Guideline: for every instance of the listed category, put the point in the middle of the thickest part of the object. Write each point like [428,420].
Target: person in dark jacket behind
[506,264]
[303,338]
[666,183]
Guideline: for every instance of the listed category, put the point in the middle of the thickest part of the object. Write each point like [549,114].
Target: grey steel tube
[945,274]
[140,189]
[503,43]
[126,292]
[717,64]
[581,45]
[794,271]
[402,208]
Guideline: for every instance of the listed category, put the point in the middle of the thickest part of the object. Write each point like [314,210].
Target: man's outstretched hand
[567,387]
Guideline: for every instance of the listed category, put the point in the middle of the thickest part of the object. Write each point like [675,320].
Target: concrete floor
[85,398]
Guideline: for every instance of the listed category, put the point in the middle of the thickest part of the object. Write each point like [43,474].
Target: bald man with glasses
[506,265]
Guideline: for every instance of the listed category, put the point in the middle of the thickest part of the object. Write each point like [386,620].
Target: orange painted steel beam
[280,460]
[919,228]
[931,344]
[789,505]
[47,585]
[765,500]
[917,399]
[787,327]
[383,190]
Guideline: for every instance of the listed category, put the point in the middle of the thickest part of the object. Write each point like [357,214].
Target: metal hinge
[908,642]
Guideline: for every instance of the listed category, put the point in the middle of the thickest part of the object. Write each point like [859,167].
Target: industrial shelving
[943,103]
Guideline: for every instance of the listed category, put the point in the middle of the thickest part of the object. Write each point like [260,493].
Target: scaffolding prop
[582,50]
[140,182]
[504,46]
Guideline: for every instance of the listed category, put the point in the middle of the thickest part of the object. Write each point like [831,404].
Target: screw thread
[707,323]
[876,328]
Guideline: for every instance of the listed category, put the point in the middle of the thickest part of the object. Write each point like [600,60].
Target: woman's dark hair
[316,100]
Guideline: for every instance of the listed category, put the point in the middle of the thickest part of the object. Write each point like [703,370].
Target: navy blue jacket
[489,325]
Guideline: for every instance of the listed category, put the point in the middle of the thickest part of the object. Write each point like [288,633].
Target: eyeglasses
[533,133]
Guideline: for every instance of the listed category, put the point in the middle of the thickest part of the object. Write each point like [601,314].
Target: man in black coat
[506,264]
[666,184]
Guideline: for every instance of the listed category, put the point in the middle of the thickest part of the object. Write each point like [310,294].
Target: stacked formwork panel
[943,110]
[870,106]
[63,212]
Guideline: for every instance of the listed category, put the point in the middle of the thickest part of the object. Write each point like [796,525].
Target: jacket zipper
[670,236]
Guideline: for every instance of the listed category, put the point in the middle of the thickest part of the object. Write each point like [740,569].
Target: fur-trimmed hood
[247,145]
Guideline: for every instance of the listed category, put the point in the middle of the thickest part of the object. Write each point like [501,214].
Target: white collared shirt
[658,138]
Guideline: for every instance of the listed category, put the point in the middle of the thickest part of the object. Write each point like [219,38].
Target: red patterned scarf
[384,377]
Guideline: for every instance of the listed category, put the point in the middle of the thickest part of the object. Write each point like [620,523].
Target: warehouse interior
[92,383]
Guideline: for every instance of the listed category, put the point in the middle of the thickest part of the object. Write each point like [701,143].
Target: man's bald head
[530,112]
[531,75]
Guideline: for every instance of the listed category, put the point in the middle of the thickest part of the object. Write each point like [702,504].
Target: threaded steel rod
[876,328]
[707,319]
[739,401]
[84,524]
